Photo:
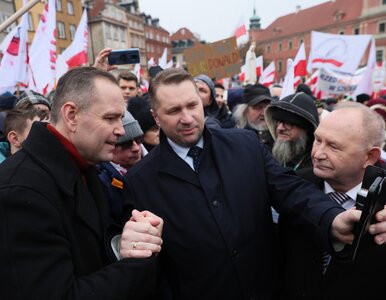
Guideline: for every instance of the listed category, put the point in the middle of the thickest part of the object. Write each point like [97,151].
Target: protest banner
[217,60]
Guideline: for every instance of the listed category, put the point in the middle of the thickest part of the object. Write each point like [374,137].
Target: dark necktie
[195,153]
[340,198]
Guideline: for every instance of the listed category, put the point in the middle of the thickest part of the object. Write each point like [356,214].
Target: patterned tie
[340,198]
[195,153]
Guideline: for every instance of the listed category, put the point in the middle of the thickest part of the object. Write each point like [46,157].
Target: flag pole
[18,14]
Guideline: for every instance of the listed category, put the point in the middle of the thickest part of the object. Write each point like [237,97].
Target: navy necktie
[195,153]
[340,198]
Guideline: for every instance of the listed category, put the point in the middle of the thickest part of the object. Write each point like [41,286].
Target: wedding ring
[135,245]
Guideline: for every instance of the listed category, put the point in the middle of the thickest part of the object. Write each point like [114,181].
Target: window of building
[383,2]
[115,33]
[301,41]
[290,44]
[72,31]
[70,8]
[122,34]
[30,22]
[382,27]
[268,48]
[279,47]
[380,55]
[61,30]
[59,5]
[280,66]
[4,16]
[107,31]
[356,30]
[341,32]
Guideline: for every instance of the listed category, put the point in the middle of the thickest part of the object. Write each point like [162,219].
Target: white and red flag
[288,83]
[268,75]
[163,60]
[76,54]
[43,52]
[365,86]
[300,65]
[151,62]
[259,65]
[14,64]
[336,52]
[241,33]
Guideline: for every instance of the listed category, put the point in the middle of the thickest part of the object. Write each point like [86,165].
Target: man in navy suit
[218,232]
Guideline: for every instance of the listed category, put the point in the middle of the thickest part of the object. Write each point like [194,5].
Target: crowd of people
[188,191]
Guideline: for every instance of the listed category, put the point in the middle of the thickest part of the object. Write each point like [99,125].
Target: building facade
[281,39]
[7,8]
[182,39]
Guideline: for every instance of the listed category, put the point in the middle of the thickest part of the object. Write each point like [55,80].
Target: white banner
[336,52]
[336,83]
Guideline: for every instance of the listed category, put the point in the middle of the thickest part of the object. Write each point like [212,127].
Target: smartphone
[123,57]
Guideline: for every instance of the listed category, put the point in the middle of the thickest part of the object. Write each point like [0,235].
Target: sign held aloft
[217,60]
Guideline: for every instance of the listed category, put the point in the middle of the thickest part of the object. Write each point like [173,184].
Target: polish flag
[288,84]
[241,33]
[259,65]
[268,75]
[43,52]
[300,62]
[366,84]
[312,82]
[162,61]
[242,73]
[76,54]
[14,64]
[138,71]
[151,62]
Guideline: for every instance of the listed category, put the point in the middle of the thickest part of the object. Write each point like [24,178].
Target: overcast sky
[216,19]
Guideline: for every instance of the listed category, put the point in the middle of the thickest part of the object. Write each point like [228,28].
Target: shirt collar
[352,193]
[183,151]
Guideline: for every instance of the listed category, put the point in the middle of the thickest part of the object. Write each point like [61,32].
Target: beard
[259,126]
[286,151]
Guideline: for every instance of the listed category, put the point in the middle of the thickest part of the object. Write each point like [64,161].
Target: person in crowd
[37,100]
[363,98]
[55,229]
[4,145]
[250,113]
[140,109]
[276,90]
[7,101]
[292,122]
[346,142]
[18,122]
[207,93]
[220,90]
[127,152]
[128,82]
[214,189]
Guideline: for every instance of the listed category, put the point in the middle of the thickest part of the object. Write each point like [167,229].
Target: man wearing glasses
[292,122]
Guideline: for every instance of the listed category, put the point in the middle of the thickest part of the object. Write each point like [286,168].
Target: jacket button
[236,253]
[215,203]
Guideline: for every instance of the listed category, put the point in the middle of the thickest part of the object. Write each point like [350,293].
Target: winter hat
[302,87]
[379,105]
[256,93]
[140,110]
[205,79]
[154,70]
[361,98]
[297,109]
[132,129]
[34,98]
[7,101]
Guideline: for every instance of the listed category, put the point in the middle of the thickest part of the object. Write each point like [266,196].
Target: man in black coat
[346,142]
[55,234]
[218,241]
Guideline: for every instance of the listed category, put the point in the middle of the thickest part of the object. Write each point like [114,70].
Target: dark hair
[16,118]
[167,77]
[78,86]
[219,85]
[128,76]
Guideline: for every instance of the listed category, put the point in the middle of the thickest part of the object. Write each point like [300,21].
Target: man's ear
[69,113]
[373,156]
[13,139]
[155,117]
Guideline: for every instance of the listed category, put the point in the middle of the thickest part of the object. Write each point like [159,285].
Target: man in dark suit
[218,241]
[55,232]
[346,142]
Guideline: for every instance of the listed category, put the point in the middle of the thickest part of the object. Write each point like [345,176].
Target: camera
[124,57]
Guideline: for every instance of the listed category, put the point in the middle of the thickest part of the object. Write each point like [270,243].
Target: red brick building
[156,37]
[183,38]
[281,39]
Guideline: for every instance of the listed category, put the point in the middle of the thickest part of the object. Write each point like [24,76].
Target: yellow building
[68,14]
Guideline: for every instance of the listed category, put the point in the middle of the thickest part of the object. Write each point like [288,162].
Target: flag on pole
[14,64]
[241,33]
[336,52]
[43,52]
[288,84]
[151,62]
[76,54]
[300,62]
[259,65]
[268,75]
[169,65]
[162,61]
[365,86]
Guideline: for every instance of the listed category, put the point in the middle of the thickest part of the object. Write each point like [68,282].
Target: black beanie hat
[256,93]
[140,109]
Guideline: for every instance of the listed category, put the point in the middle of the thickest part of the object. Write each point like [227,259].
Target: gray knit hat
[132,129]
[34,98]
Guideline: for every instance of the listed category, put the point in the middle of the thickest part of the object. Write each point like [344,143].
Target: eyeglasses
[286,126]
[129,144]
